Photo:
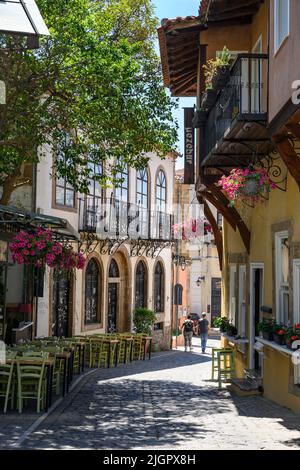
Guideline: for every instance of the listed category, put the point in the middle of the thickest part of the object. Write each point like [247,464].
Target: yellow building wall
[282,206]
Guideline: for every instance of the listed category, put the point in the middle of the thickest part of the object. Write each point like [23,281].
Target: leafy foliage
[143,320]
[96,80]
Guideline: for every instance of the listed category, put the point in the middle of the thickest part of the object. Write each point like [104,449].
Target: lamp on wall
[200,280]
[180,261]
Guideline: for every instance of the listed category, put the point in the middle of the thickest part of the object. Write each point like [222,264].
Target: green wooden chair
[214,361]
[226,367]
[7,384]
[31,384]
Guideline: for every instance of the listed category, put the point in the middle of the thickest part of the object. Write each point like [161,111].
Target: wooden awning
[179,49]
[228,11]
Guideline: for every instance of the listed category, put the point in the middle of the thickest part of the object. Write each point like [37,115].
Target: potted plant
[221,75]
[39,248]
[191,229]
[265,327]
[292,335]
[143,320]
[248,184]
[200,116]
[222,323]
[279,332]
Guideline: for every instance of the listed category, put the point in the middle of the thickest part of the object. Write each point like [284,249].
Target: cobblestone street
[166,403]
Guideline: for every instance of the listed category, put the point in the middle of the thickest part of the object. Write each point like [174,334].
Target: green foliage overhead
[97,79]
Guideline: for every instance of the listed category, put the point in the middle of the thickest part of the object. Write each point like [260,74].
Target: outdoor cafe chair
[7,384]
[31,382]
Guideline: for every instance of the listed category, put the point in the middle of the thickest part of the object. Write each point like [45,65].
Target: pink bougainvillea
[235,183]
[191,229]
[40,248]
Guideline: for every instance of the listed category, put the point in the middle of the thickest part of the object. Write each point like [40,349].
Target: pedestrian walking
[203,331]
[187,329]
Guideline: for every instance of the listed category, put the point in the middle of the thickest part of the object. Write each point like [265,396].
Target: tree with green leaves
[92,91]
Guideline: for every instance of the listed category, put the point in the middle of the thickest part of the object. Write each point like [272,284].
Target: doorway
[61,304]
[256,301]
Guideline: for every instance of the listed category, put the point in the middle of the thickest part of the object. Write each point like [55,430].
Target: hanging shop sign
[189,146]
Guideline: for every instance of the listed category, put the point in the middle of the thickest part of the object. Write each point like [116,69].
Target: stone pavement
[167,403]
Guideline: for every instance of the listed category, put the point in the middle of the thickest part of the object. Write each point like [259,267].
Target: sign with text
[189,146]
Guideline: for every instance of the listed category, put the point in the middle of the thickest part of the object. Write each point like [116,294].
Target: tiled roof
[167,23]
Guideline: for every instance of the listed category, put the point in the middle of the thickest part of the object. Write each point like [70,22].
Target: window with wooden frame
[232,293]
[142,188]
[141,285]
[161,191]
[122,190]
[296,291]
[65,194]
[159,288]
[281,22]
[282,277]
[242,301]
[92,293]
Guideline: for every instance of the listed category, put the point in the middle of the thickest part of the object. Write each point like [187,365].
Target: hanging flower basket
[39,249]
[191,229]
[249,184]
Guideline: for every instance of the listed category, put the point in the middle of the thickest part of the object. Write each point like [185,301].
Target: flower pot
[279,339]
[268,335]
[199,119]
[250,188]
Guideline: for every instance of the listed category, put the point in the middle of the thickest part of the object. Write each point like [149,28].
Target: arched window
[142,183]
[92,293]
[161,191]
[114,269]
[141,285]
[121,191]
[159,288]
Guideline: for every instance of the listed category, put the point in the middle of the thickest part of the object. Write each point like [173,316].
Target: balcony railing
[116,219]
[244,98]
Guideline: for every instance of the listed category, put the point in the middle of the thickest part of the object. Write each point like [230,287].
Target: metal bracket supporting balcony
[90,242]
[148,248]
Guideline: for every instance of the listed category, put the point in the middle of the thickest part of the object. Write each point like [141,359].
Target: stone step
[245,387]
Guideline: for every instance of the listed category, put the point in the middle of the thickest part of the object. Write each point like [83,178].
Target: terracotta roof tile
[166,23]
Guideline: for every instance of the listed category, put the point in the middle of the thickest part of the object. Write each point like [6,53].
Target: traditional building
[126,235]
[248,117]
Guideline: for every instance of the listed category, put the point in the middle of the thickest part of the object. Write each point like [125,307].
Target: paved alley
[166,403]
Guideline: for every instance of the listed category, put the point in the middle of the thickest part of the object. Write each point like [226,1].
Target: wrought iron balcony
[236,124]
[116,219]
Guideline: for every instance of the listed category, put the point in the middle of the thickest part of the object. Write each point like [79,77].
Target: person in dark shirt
[187,329]
[203,331]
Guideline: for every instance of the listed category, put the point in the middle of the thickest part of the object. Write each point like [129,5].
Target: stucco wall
[127,263]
